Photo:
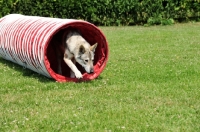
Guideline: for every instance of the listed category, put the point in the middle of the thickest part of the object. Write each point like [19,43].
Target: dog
[75,49]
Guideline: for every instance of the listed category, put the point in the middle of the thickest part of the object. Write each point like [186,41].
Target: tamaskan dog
[75,49]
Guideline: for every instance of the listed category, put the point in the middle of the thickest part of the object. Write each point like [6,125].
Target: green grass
[151,83]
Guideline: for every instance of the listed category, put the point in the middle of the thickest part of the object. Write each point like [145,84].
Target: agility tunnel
[27,41]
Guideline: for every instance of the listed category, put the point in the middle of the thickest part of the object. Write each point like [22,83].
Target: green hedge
[108,12]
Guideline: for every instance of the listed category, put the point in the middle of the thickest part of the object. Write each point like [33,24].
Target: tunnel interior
[92,35]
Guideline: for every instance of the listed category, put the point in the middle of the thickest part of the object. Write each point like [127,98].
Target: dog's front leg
[72,75]
[73,67]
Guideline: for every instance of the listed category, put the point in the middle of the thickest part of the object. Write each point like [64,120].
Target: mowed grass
[151,83]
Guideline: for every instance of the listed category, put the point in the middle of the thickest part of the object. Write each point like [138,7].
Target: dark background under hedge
[108,12]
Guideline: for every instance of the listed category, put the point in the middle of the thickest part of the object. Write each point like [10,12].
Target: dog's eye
[86,60]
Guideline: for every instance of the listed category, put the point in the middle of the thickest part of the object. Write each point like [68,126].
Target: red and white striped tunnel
[26,40]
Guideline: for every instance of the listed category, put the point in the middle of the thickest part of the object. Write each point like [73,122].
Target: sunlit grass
[151,83]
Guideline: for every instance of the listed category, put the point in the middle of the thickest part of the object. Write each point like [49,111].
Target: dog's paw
[78,75]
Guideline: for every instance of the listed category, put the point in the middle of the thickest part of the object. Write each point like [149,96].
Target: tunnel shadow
[31,74]
[25,71]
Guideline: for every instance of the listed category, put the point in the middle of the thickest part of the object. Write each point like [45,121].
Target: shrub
[108,12]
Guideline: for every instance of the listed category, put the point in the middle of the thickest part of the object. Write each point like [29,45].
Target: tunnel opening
[92,35]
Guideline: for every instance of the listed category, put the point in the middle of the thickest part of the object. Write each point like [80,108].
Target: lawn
[151,83]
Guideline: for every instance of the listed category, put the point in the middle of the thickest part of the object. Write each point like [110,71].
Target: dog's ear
[82,49]
[93,47]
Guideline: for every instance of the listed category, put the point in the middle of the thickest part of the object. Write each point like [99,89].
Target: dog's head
[86,57]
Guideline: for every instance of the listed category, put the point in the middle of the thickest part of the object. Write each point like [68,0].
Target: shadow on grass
[29,73]
[25,71]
